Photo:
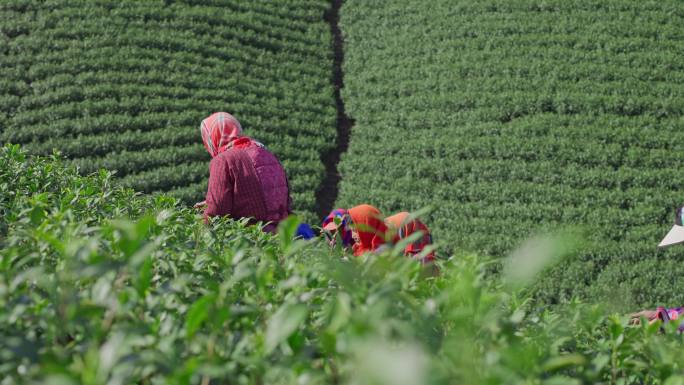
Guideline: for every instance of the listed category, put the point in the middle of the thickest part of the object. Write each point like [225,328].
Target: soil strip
[327,193]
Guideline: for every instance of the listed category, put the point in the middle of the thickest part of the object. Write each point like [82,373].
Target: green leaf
[133,235]
[562,362]
[340,312]
[37,215]
[677,379]
[287,230]
[283,323]
[144,277]
[561,380]
[601,361]
[616,328]
[197,314]
[59,379]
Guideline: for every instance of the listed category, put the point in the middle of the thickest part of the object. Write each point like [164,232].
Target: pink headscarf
[218,131]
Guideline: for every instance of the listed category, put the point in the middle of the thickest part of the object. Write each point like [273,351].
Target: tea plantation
[124,85]
[509,117]
[504,119]
[99,285]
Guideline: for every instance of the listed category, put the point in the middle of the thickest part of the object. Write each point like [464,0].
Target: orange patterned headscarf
[369,225]
[218,131]
[402,225]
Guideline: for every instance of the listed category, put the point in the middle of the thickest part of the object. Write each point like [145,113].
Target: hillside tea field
[124,85]
[512,116]
[99,285]
[502,119]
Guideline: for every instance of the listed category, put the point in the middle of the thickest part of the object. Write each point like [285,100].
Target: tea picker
[674,237]
[676,234]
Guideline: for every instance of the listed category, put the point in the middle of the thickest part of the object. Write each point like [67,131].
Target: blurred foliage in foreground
[101,286]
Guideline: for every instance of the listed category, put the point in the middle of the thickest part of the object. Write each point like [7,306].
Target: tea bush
[100,285]
[124,85]
[512,117]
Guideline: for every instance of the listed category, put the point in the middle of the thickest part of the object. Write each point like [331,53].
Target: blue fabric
[304,231]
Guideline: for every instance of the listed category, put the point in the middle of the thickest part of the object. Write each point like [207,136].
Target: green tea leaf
[197,314]
[144,277]
[283,323]
[562,362]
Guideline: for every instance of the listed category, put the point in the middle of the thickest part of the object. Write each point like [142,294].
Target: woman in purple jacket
[245,179]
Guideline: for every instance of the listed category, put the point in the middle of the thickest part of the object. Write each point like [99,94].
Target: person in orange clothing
[368,229]
[401,226]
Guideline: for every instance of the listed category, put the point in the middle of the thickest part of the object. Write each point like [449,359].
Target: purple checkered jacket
[247,181]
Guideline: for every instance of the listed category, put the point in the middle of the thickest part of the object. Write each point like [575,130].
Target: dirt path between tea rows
[327,193]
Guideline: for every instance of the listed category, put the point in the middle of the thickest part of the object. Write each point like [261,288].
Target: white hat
[676,234]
